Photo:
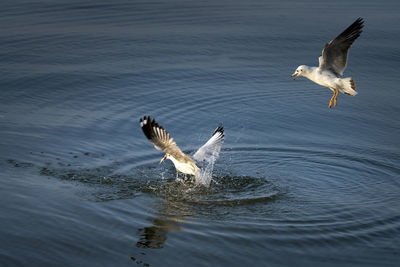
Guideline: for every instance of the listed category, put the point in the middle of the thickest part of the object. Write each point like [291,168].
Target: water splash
[204,175]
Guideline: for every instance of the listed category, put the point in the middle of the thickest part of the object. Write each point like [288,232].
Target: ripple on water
[299,204]
[228,190]
[333,195]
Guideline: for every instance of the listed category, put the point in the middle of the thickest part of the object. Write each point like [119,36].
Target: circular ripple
[297,195]
[153,179]
[329,195]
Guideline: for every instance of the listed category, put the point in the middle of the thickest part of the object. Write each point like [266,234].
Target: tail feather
[349,87]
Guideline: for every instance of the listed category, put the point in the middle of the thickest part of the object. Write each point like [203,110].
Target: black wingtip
[359,22]
[145,118]
[146,125]
[351,33]
[357,25]
[220,129]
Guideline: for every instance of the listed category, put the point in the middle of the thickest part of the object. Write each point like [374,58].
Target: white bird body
[332,63]
[186,167]
[328,79]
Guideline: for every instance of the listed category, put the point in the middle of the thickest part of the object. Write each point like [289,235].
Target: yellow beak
[296,76]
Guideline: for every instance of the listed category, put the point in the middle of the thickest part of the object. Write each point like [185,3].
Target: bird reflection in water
[155,236]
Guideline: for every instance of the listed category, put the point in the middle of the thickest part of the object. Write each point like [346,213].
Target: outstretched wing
[209,151]
[160,138]
[334,54]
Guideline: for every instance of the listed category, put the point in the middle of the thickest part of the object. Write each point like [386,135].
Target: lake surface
[296,184]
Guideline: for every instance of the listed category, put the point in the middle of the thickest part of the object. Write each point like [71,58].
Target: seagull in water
[332,63]
[183,163]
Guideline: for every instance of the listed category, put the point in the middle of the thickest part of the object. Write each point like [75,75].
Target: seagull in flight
[183,163]
[332,63]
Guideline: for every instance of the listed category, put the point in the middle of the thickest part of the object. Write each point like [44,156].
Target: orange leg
[336,94]
[330,102]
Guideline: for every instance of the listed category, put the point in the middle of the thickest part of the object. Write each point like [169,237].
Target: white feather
[210,150]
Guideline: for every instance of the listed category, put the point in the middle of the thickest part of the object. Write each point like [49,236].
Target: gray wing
[160,138]
[334,54]
[210,150]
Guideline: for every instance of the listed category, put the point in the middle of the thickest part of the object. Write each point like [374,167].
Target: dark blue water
[296,183]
